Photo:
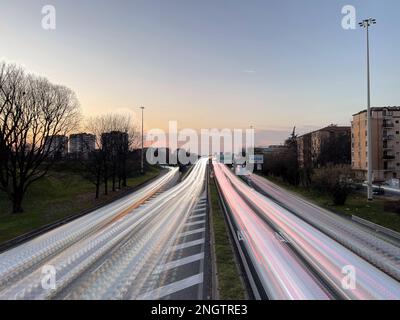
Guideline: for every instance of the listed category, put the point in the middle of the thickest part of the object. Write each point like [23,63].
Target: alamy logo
[349,20]
[185,146]
[49,17]
[349,279]
[48,277]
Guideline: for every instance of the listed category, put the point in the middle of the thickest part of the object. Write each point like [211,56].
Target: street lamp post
[366,24]
[142,153]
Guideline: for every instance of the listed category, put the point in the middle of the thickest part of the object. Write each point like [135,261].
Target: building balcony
[388,147]
[388,137]
[389,157]
[388,124]
[388,115]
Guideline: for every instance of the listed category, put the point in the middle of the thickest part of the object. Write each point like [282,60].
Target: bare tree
[93,168]
[33,112]
[115,135]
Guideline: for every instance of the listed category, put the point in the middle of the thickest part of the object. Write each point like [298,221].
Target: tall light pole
[142,153]
[366,24]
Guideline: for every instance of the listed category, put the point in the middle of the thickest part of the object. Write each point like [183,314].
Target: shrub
[392,206]
[334,181]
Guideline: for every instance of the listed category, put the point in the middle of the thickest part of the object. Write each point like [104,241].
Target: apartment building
[304,150]
[115,141]
[57,146]
[333,139]
[385,144]
[81,144]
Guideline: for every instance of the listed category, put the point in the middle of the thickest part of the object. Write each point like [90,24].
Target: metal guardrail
[377,227]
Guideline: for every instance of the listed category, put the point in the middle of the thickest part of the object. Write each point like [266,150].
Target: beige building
[385,144]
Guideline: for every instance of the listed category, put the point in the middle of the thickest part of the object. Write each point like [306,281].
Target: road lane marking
[172,288]
[189,233]
[189,224]
[178,263]
[104,262]
[197,216]
[187,245]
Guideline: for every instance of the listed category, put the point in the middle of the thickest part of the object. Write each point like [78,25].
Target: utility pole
[366,24]
[142,153]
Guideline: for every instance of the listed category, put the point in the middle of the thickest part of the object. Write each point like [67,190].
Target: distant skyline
[211,64]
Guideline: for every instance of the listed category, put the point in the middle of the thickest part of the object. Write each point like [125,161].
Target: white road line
[178,263]
[188,233]
[187,245]
[197,216]
[95,270]
[172,288]
[189,224]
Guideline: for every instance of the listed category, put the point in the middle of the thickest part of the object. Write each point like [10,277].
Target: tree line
[115,137]
[33,113]
[329,173]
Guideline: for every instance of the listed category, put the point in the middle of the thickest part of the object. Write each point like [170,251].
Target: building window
[397,121]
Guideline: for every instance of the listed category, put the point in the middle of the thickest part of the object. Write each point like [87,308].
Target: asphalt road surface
[126,250]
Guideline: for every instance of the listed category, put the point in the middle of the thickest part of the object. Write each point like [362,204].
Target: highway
[376,248]
[117,252]
[290,257]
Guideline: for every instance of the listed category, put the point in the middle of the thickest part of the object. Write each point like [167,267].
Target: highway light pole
[366,24]
[142,153]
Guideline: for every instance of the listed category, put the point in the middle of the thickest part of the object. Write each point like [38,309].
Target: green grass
[58,195]
[356,204]
[151,172]
[230,285]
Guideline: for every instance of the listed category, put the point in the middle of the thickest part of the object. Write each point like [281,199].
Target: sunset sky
[211,63]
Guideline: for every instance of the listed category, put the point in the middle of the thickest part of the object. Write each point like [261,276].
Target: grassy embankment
[356,204]
[58,195]
[230,285]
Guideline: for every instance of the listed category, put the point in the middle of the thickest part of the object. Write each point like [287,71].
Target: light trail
[327,257]
[98,257]
[280,271]
[367,244]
